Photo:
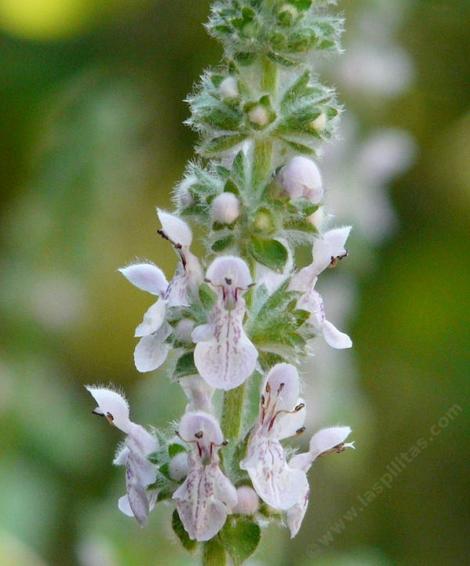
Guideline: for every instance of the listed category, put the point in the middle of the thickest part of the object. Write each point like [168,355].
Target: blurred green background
[91,139]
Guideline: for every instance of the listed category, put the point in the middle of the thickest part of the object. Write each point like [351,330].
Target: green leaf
[174,449]
[269,252]
[223,243]
[185,365]
[240,537]
[221,144]
[214,553]
[180,532]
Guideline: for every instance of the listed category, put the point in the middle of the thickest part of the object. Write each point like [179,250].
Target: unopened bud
[229,88]
[179,466]
[301,178]
[318,218]
[225,208]
[248,501]
[183,330]
[259,115]
[319,124]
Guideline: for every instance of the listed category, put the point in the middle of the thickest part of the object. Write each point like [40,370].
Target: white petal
[302,461]
[274,480]
[120,459]
[140,440]
[329,246]
[304,280]
[153,319]
[175,229]
[229,358]
[151,351]
[224,489]
[327,439]
[124,507]
[202,333]
[283,383]
[229,268]
[198,392]
[112,405]
[334,337]
[202,514]
[146,276]
[204,425]
[296,514]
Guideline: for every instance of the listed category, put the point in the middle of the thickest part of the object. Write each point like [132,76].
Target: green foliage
[285,31]
[182,535]
[213,553]
[275,323]
[269,252]
[185,366]
[240,538]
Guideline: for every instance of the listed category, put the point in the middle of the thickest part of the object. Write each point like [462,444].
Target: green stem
[232,413]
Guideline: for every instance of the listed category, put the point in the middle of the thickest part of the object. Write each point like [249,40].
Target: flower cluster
[246,311]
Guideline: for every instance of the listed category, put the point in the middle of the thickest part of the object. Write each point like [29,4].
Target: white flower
[133,454]
[198,392]
[152,349]
[313,303]
[325,441]
[224,355]
[282,414]
[327,250]
[189,273]
[225,208]
[301,178]
[229,88]
[207,496]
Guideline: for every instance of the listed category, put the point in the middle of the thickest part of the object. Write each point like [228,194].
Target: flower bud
[301,178]
[225,208]
[319,124]
[259,116]
[229,88]
[248,501]
[183,330]
[179,466]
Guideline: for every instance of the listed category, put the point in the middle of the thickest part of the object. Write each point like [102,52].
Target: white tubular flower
[198,392]
[313,303]
[301,178]
[189,274]
[328,249]
[225,208]
[282,414]
[151,351]
[224,355]
[207,496]
[139,443]
[325,441]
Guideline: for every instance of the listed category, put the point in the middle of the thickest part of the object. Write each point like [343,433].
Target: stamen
[299,407]
[199,434]
[300,430]
[228,281]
